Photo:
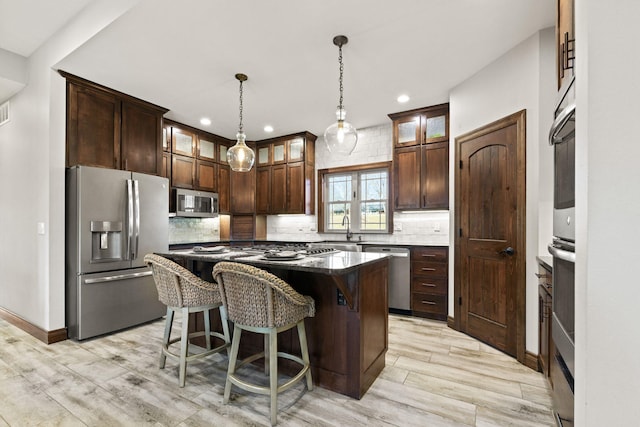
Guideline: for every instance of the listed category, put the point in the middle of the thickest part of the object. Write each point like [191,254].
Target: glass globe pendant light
[341,137]
[240,157]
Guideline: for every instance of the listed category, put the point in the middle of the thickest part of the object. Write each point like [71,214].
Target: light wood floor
[434,377]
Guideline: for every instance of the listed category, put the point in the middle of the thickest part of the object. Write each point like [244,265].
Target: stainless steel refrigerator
[114,218]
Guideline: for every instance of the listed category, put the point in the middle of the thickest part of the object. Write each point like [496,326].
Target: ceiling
[183,55]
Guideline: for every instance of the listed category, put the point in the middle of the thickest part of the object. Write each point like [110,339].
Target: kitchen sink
[341,245]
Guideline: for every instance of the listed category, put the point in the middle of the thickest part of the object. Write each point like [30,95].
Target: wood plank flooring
[434,376]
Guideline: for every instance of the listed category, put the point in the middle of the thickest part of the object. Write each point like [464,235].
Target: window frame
[356,169]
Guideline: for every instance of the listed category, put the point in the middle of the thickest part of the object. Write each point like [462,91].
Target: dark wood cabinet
[545,343]
[206,176]
[406,169]
[141,139]
[291,163]
[182,171]
[242,227]
[295,187]
[243,192]
[263,190]
[93,127]
[224,188]
[434,176]
[421,158]
[109,129]
[278,189]
[429,281]
[565,40]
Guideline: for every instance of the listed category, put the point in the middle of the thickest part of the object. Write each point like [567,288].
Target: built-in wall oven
[562,139]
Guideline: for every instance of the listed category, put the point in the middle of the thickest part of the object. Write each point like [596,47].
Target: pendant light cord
[341,71]
[240,127]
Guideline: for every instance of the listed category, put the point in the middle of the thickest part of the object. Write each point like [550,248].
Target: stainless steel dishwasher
[399,276]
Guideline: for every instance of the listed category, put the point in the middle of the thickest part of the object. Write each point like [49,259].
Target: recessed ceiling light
[403,98]
[205,121]
[268,128]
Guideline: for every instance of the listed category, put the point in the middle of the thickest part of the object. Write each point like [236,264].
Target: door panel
[490,206]
[407,184]
[154,214]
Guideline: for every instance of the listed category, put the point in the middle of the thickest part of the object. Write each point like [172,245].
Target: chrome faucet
[349,233]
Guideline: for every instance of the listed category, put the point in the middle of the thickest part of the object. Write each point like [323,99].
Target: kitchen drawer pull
[428,302]
[431,285]
[427,269]
[429,255]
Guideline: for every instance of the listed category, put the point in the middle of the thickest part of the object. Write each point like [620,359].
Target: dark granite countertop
[339,263]
[177,246]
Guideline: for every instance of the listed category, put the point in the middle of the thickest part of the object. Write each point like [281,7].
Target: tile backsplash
[419,228]
[193,230]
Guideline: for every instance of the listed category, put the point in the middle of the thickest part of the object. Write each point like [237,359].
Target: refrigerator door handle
[118,277]
[136,224]
[129,218]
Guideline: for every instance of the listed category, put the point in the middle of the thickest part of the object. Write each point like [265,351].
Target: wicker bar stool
[180,290]
[260,302]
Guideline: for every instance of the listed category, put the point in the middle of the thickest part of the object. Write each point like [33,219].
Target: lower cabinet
[429,281]
[545,342]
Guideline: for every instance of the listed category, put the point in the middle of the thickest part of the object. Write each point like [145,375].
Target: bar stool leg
[235,344]
[302,335]
[167,336]
[266,354]
[273,373]
[225,327]
[207,328]
[184,345]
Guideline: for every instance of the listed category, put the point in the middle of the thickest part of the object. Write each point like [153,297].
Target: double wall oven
[562,139]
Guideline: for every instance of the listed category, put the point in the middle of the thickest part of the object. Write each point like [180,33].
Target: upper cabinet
[109,129]
[285,176]
[198,160]
[421,158]
[565,40]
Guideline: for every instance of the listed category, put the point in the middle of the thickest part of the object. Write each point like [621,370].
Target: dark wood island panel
[347,338]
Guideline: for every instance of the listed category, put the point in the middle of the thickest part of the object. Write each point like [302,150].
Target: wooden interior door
[490,241]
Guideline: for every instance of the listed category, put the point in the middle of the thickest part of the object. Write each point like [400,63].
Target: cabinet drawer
[429,303]
[431,285]
[431,254]
[425,268]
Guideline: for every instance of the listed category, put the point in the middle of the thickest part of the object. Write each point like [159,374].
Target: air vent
[4,113]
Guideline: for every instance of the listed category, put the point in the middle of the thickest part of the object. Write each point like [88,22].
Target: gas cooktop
[295,247]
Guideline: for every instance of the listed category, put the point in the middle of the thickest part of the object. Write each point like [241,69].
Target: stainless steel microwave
[196,204]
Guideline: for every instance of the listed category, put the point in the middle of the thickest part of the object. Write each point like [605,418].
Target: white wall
[32,160]
[375,145]
[607,380]
[520,79]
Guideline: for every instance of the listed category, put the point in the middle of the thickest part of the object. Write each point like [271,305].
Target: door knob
[508,251]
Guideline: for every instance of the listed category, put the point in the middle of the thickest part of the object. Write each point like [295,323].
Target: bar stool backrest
[256,298]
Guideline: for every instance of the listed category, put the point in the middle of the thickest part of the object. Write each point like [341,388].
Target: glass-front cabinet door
[406,131]
[279,152]
[264,155]
[296,150]
[183,142]
[222,153]
[435,125]
[206,149]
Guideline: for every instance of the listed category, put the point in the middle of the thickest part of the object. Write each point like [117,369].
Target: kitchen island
[347,338]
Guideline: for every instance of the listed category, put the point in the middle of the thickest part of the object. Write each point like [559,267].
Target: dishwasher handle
[396,252]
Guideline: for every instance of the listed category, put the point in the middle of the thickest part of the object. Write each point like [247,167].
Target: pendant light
[240,156]
[341,137]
